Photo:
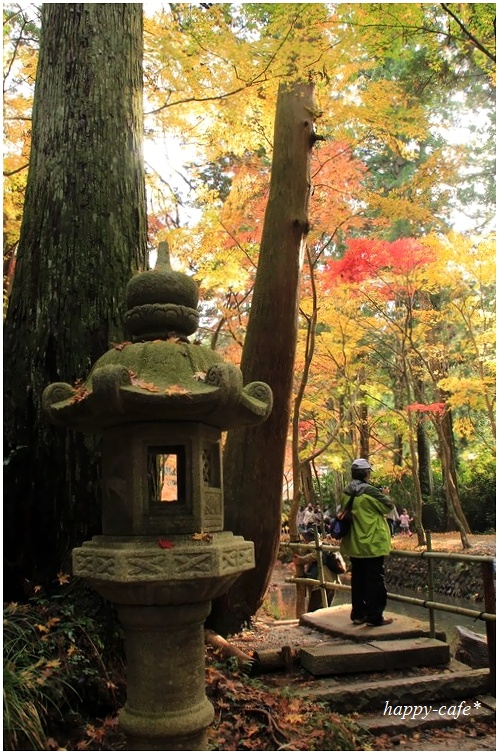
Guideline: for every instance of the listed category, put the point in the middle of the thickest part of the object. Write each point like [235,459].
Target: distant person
[327,525]
[318,518]
[309,516]
[309,560]
[393,519]
[405,523]
[366,544]
[299,519]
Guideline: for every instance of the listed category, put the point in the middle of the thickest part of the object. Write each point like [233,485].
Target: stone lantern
[160,403]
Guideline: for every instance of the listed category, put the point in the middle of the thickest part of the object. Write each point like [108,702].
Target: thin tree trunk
[418,499]
[450,486]
[298,487]
[307,484]
[449,472]
[83,234]
[254,457]
[424,461]
[363,428]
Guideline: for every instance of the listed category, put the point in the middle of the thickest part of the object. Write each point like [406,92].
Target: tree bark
[254,456]
[450,487]
[364,431]
[84,232]
[424,461]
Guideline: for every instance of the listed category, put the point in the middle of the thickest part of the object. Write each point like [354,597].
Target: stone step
[432,714]
[335,621]
[333,659]
[346,696]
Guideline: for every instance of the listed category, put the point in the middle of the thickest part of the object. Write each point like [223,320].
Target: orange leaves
[152,388]
[176,390]
[202,536]
[149,386]
[121,346]
[81,392]
[44,628]
[260,718]
[97,734]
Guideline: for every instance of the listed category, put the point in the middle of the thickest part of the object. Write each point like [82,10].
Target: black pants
[368,589]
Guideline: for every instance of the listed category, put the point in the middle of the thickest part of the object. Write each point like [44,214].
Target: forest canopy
[398,281]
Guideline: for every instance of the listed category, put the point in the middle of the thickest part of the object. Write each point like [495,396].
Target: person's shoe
[358,621]
[384,622]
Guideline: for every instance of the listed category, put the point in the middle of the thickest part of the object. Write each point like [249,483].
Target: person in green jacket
[366,544]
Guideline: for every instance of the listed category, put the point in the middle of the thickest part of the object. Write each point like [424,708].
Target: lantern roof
[159,375]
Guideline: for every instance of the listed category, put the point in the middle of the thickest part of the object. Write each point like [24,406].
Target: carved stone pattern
[213,504]
[144,565]
[193,564]
[162,315]
[236,558]
[56,393]
[94,565]
[214,375]
[259,390]
[206,467]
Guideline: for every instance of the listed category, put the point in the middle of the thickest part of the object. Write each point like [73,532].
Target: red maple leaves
[366,258]
[431,408]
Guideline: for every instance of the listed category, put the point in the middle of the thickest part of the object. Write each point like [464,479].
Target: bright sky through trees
[169,154]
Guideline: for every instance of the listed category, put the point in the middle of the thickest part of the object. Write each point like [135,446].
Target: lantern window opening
[167,474]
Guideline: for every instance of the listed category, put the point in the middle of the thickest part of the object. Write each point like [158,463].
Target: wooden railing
[488,615]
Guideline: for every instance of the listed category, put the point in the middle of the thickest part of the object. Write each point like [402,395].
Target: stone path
[358,670]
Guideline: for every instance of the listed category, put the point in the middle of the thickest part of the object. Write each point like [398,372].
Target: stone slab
[335,621]
[488,701]
[359,696]
[408,653]
[335,659]
[436,718]
[331,659]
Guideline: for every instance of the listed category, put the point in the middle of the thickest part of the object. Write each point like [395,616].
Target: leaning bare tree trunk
[84,231]
[254,457]
[451,489]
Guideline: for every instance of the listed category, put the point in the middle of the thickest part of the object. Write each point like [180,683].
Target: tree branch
[468,33]
[8,173]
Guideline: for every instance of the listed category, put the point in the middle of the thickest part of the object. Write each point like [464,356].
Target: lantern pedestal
[162,589]
[166,708]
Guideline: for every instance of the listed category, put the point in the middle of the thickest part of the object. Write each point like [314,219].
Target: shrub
[34,686]
[63,658]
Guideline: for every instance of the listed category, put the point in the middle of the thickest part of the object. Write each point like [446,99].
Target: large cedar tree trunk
[83,233]
[254,456]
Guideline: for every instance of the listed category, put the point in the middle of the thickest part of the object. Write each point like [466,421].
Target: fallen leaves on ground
[449,541]
[480,736]
[253,716]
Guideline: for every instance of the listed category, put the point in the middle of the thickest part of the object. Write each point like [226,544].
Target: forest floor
[450,541]
[261,711]
[269,632]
